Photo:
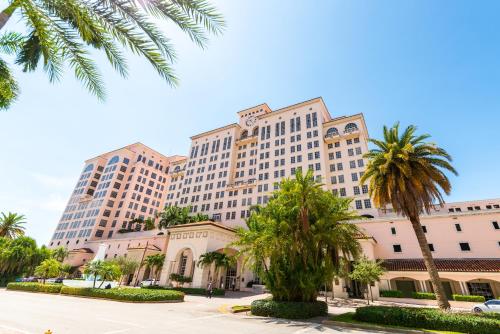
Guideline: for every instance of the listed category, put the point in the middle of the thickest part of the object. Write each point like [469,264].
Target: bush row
[429,319]
[288,310]
[430,295]
[126,294]
[35,287]
[188,291]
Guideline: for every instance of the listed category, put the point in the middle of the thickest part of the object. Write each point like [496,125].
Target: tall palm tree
[11,224]
[155,263]
[174,215]
[93,269]
[60,33]
[60,254]
[127,266]
[218,259]
[408,173]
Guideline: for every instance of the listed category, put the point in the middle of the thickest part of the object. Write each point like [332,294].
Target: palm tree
[407,173]
[109,271]
[174,215]
[63,33]
[60,254]
[93,269]
[127,266]
[155,264]
[11,224]
[218,259]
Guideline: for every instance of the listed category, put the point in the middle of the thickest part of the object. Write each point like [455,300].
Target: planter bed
[288,310]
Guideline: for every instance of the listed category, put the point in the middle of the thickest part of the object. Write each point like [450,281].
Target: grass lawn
[349,318]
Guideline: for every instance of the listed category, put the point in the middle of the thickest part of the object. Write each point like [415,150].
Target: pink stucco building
[233,167]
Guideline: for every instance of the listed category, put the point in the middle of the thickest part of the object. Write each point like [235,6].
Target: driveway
[34,313]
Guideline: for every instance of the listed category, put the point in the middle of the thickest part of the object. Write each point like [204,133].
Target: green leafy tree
[48,268]
[60,254]
[173,215]
[109,271]
[19,257]
[66,270]
[408,173]
[220,260]
[367,272]
[60,33]
[155,264]
[127,266]
[93,269]
[297,241]
[11,224]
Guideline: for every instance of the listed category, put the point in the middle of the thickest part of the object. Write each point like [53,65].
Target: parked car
[148,282]
[492,305]
[30,279]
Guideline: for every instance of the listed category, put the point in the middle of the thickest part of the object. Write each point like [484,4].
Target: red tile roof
[457,265]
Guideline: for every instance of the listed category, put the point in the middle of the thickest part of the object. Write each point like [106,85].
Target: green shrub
[424,295]
[188,291]
[468,298]
[429,319]
[288,310]
[391,293]
[34,287]
[181,279]
[125,294]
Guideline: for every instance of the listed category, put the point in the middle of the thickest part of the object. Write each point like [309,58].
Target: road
[35,313]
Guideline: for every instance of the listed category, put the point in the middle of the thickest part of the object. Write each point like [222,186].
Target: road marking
[223,308]
[121,322]
[15,329]
[117,331]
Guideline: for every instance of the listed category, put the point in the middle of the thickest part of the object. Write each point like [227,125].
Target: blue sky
[434,64]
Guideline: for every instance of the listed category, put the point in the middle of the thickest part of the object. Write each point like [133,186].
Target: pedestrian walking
[210,290]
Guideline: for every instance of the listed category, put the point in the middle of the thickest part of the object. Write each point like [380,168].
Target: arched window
[255,131]
[113,160]
[88,168]
[244,134]
[332,132]
[350,127]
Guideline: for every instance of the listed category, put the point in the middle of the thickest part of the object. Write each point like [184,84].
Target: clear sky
[435,64]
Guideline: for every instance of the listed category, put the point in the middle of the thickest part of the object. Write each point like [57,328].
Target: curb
[373,327]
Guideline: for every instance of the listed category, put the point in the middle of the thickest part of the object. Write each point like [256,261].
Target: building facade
[231,168]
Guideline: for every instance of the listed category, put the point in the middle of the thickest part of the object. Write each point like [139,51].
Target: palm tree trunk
[6,14]
[95,277]
[429,264]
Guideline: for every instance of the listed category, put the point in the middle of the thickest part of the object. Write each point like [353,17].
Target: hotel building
[231,168]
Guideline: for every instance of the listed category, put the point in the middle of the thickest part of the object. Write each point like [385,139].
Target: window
[397,248]
[495,225]
[393,230]
[431,247]
[464,246]
[359,206]
[182,266]
[458,227]
[424,228]
[368,204]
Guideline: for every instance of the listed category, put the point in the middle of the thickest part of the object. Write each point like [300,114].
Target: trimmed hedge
[288,310]
[34,287]
[125,294]
[429,319]
[469,298]
[391,293]
[188,291]
[424,295]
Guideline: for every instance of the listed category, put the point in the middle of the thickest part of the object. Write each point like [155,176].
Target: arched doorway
[489,289]
[404,284]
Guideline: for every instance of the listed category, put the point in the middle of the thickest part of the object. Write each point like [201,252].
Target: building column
[423,286]
[339,290]
[463,287]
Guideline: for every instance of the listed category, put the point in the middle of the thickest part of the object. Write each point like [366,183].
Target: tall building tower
[112,190]
[241,164]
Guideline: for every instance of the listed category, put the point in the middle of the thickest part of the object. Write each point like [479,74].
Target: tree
[19,256]
[218,259]
[48,268]
[297,241]
[149,224]
[155,264]
[367,272]
[11,223]
[93,269]
[66,270]
[60,254]
[109,271]
[174,215]
[408,173]
[62,33]
[127,266]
